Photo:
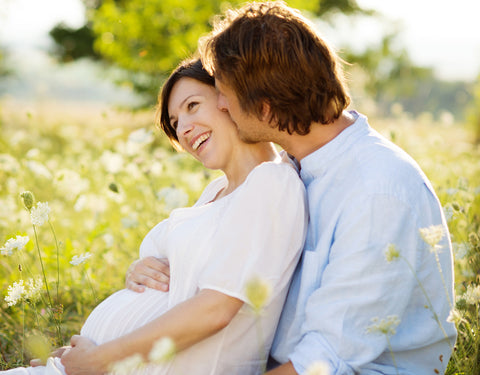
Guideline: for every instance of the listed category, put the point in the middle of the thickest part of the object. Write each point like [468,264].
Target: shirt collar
[316,163]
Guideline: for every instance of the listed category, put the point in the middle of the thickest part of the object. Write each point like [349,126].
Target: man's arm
[148,272]
[186,324]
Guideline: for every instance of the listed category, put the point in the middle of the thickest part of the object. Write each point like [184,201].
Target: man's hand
[80,358]
[148,272]
[57,353]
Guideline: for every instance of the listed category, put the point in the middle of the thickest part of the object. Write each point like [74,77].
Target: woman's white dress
[256,231]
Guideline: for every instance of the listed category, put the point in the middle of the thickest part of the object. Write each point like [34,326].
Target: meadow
[102,178]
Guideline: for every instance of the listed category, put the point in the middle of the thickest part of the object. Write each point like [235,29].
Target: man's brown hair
[269,53]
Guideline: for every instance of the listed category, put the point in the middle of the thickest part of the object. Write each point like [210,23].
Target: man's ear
[266,112]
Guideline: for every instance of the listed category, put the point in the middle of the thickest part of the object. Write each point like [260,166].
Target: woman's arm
[186,324]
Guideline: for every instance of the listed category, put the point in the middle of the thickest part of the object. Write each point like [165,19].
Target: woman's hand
[80,359]
[148,272]
[56,353]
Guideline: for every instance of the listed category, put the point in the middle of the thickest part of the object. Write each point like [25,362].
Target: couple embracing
[353,283]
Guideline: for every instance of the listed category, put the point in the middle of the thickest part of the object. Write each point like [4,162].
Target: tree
[147,38]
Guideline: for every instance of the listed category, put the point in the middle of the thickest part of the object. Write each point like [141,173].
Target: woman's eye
[192,105]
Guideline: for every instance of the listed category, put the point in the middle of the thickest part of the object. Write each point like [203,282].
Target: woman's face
[203,130]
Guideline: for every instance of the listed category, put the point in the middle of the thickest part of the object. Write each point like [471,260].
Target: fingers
[74,340]
[148,272]
[56,353]
[37,362]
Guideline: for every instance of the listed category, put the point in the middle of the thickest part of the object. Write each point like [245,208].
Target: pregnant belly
[123,312]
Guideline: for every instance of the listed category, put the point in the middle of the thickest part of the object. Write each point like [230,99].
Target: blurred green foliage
[473,114]
[148,38]
[392,77]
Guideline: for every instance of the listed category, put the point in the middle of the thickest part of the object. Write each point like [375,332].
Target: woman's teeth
[199,141]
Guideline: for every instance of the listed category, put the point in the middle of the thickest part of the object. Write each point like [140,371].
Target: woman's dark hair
[191,68]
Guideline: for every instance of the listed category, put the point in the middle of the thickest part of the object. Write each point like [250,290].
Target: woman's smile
[198,142]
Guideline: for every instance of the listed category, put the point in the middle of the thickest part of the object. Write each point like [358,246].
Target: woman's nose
[184,127]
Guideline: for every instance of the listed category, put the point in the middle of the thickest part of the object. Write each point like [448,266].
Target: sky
[441,34]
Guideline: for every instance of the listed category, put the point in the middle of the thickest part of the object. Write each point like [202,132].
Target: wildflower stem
[429,302]
[443,279]
[91,285]
[23,329]
[43,268]
[262,354]
[56,320]
[58,252]
[391,353]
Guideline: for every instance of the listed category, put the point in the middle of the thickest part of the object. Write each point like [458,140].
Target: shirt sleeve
[260,234]
[356,285]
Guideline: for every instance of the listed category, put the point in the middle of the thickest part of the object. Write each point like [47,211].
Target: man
[370,295]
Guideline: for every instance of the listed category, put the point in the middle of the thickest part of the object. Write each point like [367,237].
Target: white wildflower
[472,295]
[448,212]
[112,162]
[432,235]
[460,250]
[39,169]
[173,197]
[108,239]
[163,350]
[258,292]
[128,365]
[16,292]
[391,253]
[141,135]
[33,289]
[129,221]
[385,326]
[318,368]
[454,316]
[9,164]
[79,259]
[17,243]
[39,213]
[70,183]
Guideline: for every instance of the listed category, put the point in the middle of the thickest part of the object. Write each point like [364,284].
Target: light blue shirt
[365,193]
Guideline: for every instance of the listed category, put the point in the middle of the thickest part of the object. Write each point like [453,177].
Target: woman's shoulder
[280,168]
[276,179]
[212,189]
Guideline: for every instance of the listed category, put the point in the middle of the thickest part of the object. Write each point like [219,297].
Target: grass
[109,177]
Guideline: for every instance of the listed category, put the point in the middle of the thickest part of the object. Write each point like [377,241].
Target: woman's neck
[253,155]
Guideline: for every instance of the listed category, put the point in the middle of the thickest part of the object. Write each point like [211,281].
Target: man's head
[276,63]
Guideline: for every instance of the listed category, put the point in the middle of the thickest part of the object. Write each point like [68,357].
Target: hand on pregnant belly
[81,358]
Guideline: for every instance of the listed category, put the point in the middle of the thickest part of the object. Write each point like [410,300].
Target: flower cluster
[432,236]
[79,259]
[472,295]
[391,253]
[17,243]
[19,291]
[39,213]
[258,292]
[385,326]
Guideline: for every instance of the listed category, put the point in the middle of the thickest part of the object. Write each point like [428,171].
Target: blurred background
[78,83]
[413,56]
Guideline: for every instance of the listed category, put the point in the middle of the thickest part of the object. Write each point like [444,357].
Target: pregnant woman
[248,223]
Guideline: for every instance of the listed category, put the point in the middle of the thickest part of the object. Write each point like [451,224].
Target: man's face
[250,128]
